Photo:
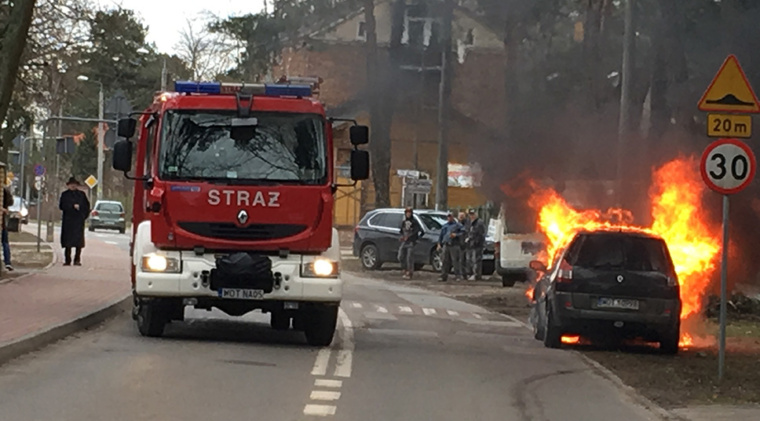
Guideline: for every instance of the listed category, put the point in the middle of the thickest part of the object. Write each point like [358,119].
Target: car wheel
[488,268]
[508,280]
[279,320]
[151,319]
[436,261]
[320,326]
[669,342]
[418,266]
[552,332]
[370,257]
[122,231]
[92,229]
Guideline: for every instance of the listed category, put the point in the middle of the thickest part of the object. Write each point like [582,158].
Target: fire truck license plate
[241,294]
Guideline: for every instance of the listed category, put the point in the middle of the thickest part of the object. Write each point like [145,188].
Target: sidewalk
[41,307]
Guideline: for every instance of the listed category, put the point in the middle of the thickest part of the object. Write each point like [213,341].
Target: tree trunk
[380,113]
[11,47]
[591,51]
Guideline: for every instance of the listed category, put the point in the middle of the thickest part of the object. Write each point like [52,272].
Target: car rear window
[625,252]
[387,220]
[109,207]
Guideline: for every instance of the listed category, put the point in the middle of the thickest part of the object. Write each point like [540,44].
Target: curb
[637,397]
[41,339]
[36,271]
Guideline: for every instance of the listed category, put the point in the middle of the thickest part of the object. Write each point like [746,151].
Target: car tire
[122,231]
[418,266]
[92,229]
[280,321]
[320,326]
[552,332]
[151,319]
[436,261]
[370,257]
[508,280]
[669,342]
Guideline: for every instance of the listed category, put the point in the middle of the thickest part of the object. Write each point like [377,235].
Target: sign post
[727,167]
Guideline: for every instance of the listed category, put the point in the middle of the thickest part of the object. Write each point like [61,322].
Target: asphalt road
[400,354]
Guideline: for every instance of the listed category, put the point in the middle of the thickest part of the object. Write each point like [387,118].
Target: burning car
[609,283]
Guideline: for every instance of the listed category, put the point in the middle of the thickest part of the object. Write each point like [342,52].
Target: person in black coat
[76,209]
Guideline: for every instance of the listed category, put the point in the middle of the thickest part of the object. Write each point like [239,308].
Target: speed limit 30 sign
[728,166]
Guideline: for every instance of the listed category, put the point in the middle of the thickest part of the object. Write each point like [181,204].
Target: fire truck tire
[152,319]
[320,325]
[279,321]
[552,332]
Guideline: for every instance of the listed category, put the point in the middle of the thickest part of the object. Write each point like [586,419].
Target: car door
[390,226]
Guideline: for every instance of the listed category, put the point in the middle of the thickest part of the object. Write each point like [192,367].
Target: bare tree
[13,32]
[207,54]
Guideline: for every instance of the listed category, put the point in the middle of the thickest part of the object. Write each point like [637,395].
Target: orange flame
[676,196]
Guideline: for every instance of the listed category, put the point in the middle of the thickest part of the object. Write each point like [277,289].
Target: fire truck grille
[251,232]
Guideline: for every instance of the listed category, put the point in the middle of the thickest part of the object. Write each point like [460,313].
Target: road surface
[400,354]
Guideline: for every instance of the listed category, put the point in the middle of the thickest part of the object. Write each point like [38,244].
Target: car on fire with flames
[609,285]
[233,205]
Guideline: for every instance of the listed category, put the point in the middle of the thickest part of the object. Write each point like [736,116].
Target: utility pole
[101,145]
[163,76]
[629,44]
[444,110]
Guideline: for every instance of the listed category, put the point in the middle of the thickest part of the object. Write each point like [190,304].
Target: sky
[165,18]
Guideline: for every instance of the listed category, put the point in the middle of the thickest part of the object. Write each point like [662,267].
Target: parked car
[609,285]
[514,249]
[108,214]
[376,239]
[19,214]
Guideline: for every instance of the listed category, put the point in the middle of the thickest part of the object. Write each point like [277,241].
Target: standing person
[476,241]
[76,209]
[7,203]
[410,233]
[450,241]
[465,223]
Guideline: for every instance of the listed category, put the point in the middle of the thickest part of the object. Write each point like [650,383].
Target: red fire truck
[233,205]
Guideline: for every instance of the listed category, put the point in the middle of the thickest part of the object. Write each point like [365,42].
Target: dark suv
[376,238]
[609,284]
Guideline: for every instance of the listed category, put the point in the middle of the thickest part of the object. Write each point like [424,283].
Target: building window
[361,32]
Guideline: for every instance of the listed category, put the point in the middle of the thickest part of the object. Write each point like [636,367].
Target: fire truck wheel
[320,325]
[279,320]
[151,319]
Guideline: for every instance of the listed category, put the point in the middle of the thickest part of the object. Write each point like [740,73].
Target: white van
[514,249]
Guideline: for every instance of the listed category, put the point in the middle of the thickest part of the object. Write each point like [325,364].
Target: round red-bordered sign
[728,166]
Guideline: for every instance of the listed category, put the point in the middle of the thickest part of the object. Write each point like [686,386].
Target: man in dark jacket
[450,240]
[7,203]
[76,209]
[410,232]
[476,241]
[464,221]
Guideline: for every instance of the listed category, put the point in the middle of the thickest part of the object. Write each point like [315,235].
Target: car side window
[393,220]
[376,220]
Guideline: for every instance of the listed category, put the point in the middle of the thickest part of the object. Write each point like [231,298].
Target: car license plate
[618,303]
[241,294]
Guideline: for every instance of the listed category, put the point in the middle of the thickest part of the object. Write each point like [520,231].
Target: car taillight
[121,215]
[356,229]
[565,273]
[496,249]
[94,213]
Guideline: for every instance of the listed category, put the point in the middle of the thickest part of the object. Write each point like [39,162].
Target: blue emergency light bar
[218,88]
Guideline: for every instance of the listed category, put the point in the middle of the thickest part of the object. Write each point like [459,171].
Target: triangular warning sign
[730,91]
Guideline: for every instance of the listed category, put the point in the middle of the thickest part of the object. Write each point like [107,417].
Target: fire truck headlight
[320,268]
[156,263]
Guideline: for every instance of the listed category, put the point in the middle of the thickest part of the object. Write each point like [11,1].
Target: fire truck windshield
[285,147]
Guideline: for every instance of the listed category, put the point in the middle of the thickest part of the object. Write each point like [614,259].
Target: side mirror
[538,266]
[359,135]
[122,155]
[127,127]
[359,165]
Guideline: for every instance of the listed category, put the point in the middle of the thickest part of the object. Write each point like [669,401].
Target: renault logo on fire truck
[242,217]
[244,198]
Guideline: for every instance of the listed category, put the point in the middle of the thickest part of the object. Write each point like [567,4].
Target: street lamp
[101,136]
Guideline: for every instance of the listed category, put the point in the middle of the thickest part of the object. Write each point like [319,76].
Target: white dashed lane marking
[429,311]
[336,384]
[320,410]
[382,309]
[405,309]
[324,395]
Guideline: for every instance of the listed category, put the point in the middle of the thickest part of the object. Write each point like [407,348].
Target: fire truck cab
[233,205]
